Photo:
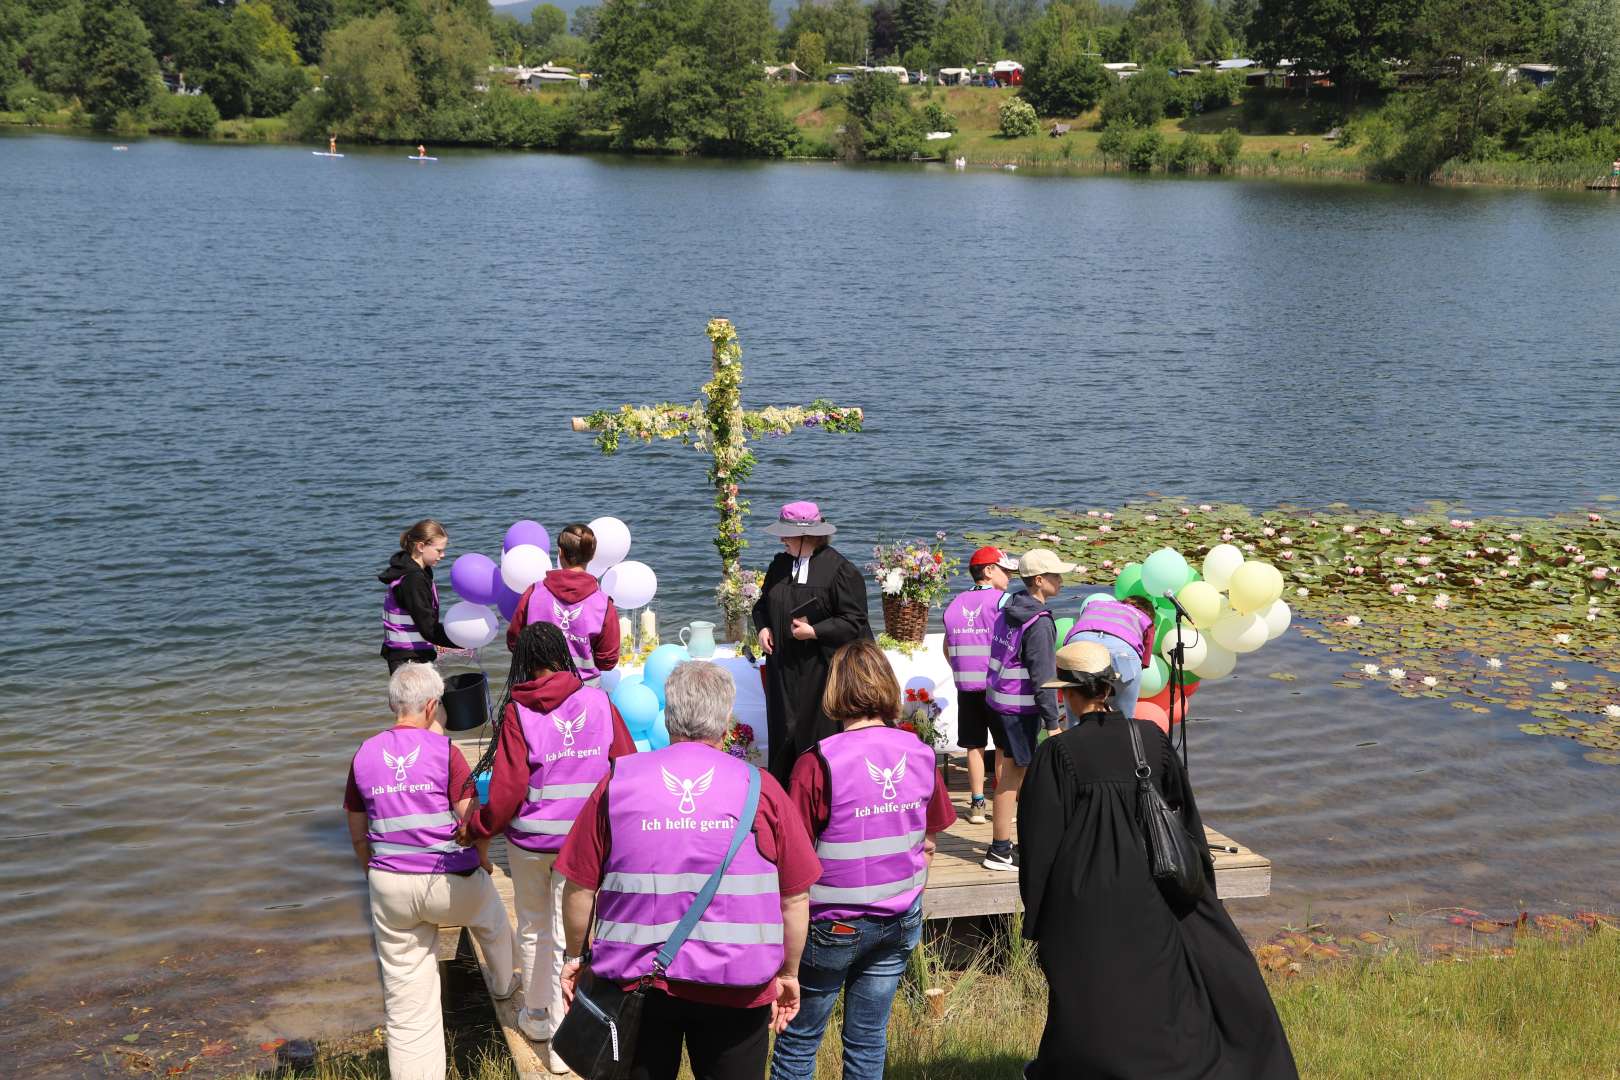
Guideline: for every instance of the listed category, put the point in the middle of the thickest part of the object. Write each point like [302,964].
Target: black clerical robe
[1134,988]
[796,672]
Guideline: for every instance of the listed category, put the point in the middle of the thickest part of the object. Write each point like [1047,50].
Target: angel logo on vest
[687,790]
[569,728]
[970,619]
[565,616]
[401,763]
[887,777]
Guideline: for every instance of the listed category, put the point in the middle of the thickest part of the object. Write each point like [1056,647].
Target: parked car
[840,78]
[919,77]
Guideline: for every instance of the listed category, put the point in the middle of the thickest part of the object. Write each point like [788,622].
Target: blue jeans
[867,965]
[1126,663]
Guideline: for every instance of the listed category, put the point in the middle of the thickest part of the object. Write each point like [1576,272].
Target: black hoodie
[1039,649]
[415,594]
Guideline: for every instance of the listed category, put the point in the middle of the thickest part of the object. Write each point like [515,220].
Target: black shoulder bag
[1176,862]
[597,1036]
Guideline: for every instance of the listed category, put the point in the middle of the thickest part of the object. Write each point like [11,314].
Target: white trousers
[537,896]
[406,913]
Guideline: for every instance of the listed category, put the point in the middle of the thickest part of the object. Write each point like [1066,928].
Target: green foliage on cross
[719,426]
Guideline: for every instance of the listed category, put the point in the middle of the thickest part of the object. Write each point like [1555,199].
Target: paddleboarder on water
[421,150]
[331,145]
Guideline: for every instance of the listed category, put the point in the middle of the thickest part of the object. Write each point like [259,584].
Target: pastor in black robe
[796,672]
[1134,988]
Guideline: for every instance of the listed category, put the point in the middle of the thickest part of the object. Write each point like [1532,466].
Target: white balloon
[1220,562]
[1218,663]
[524,565]
[612,544]
[472,626]
[1277,615]
[1239,633]
[630,584]
[1193,647]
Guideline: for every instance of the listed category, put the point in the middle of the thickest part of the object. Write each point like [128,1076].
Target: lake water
[233,374]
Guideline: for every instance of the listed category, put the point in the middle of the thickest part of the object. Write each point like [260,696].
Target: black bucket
[466,700]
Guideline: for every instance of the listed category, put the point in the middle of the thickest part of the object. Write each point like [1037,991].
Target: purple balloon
[474,577]
[527,532]
[505,599]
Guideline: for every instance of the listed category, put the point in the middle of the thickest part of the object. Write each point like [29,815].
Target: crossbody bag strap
[700,903]
[1143,772]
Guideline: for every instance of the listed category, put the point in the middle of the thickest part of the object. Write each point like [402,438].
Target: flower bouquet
[912,575]
[919,714]
[736,595]
[739,742]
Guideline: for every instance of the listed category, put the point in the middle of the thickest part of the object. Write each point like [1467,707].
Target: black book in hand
[812,611]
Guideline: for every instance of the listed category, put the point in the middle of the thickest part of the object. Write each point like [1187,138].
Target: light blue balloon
[639,707]
[643,746]
[660,662]
[1094,598]
[1165,571]
[660,733]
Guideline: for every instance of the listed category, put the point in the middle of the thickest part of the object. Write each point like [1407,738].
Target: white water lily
[1302,592]
[1560,684]
[893,582]
[1352,620]
[1369,669]
[1397,674]
[1612,711]
[1494,664]
[1442,601]
[1430,680]
[1562,639]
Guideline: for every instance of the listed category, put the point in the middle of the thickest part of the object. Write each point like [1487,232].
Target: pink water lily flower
[1107,564]
[1425,539]
[1409,522]
[1479,582]
[1289,555]
[1442,601]
[1595,518]
[1400,560]
[1349,529]
[1268,531]
[1424,560]
[1285,539]
[1385,530]
[1093,513]
[1515,536]
[1205,507]
[1514,560]
[1600,572]
[1105,528]
[1151,517]
[1184,510]
[1396,587]
[1108,515]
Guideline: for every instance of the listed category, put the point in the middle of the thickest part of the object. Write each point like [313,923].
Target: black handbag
[1175,861]
[597,1036]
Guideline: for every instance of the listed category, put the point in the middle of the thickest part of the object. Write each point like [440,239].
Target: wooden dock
[958,885]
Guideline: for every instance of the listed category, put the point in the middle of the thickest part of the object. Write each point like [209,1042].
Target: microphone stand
[1178,679]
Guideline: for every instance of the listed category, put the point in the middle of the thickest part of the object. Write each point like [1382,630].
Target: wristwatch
[571,959]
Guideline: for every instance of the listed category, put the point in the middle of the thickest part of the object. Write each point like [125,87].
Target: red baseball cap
[993,556]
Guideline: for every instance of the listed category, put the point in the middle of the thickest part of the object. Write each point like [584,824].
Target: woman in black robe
[1134,988]
[812,601]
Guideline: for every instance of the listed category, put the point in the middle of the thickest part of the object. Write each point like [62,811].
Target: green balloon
[1063,628]
[1129,582]
[1154,677]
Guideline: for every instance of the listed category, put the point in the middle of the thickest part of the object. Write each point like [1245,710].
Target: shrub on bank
[1016,119]
[191,115]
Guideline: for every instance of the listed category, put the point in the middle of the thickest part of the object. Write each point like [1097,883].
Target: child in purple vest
[412,632]
[407,785]
[571,599]
[872,801]
[643,845]
[1125,629]
[552,742]
[969,619]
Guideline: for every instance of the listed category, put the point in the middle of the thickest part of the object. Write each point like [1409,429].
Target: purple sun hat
[801,519]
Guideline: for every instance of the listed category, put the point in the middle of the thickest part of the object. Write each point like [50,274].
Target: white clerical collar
[801,569]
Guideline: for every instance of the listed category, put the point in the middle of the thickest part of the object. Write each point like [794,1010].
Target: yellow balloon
[1254,585]
[1220,563]
[1202,601]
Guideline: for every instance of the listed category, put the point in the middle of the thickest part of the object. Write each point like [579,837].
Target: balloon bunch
[639,697]
[485,586]
[1235,607]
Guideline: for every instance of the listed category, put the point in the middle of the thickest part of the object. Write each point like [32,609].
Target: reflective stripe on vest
[1119,620]
[968,620]
[671,817]
[567,757]
[873,863]
[399,629]
[1010,690]
[403,776]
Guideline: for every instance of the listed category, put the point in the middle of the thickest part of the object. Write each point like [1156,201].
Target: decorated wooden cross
[721,427]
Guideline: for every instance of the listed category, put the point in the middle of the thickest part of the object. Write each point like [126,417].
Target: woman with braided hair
[552,742]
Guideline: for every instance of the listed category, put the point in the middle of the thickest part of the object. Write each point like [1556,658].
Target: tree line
[688,75]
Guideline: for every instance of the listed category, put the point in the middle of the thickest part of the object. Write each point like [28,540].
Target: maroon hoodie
[509,779]
[572,586]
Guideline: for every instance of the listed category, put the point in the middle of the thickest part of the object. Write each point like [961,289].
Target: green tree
[370,88]
[450,57]
[55,51]
[810,53]
[1227,149]
[546,21]
[1015,18]
[966,33]
[881,124]
[1588,82]
[1061,76]
[1156,30]
[585,21]
[883,29]
[1139,101]
[1015,119]
[121,74]
[845,26]
[738,36]
[1354,41]
[632,36]
[308,20]
[915,20]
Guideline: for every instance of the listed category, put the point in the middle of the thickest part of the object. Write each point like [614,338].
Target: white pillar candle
[649,628]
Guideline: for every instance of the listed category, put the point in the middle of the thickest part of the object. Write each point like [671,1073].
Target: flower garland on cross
[720,426]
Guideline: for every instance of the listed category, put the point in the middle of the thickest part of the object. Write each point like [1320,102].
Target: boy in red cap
[968,620]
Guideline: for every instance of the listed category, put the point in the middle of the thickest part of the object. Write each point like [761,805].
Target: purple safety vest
[568,756]
[1011,690]
[404,776]
[399,629]
[872,860]
[671,815]
[580,623]
[1118,619]
[968,621]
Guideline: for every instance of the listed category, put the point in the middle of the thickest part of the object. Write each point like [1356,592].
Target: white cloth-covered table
[926,668]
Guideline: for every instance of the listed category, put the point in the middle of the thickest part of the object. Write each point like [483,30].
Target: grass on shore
[1538,1010]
